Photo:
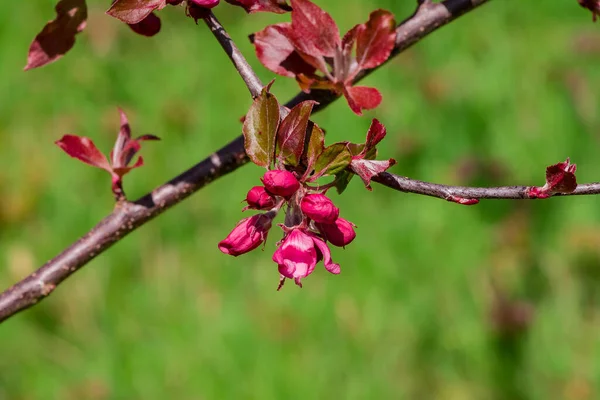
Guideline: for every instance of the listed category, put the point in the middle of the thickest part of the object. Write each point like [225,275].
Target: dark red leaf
[292,132]
[119,156]
[149,26]
[375,135]
[252,6]
[593,6]
[367,169]
[83,149]
[125,147]
[560,178]
[275,50]
[314,31]
[134,11]
[120,171]
[58,36]
[375,39]
[362,98]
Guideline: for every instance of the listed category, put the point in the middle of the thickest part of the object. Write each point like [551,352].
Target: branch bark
[457,194]
[128,216]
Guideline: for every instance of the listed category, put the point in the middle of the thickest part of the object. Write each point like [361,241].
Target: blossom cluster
[312,222]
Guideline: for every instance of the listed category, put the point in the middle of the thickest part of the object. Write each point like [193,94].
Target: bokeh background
[435,300]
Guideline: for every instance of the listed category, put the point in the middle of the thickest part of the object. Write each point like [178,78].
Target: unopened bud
[280,183]
[319,208]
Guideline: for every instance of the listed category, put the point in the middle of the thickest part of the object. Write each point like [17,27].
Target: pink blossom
[204,3]
[340,233]
[248,234]
[259,199]
[319,208]
[280,183]
[299,253]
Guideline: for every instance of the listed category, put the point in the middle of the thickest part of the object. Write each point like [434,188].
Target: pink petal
[296,256]
[325,254]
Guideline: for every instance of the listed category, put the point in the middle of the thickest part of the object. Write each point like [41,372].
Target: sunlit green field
[435,300]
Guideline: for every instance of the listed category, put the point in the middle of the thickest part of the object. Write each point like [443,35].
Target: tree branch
[128,216]
[461,194]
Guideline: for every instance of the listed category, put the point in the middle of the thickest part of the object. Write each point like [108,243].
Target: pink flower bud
[259,199]
[204,3]
[248,234]
[280,183]
[319,208]
[340,233]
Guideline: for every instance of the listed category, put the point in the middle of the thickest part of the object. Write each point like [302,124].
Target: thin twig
[128,216]
[456,193]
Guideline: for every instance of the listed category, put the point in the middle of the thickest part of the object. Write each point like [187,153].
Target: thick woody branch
[128,216]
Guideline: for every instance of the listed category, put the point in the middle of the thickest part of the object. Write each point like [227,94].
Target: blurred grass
[489,100]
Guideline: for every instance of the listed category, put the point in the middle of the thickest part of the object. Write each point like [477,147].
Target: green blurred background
[435,300]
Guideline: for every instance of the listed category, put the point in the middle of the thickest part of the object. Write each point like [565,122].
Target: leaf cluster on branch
[282,139]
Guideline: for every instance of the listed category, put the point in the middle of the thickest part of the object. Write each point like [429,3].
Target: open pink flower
[248,234]
[299,253]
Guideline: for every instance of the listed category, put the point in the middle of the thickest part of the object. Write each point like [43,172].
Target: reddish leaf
[260,129]
[332,160]
[83,149]
[125,147]
[362,98]
[120,171]
[149,26]
[134,11]
[367,169]
[275,50]
[560,178]
[375,39]
[292,132]
[315,32]
[375,134]
[58,36]
[119,156]
[252,6]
